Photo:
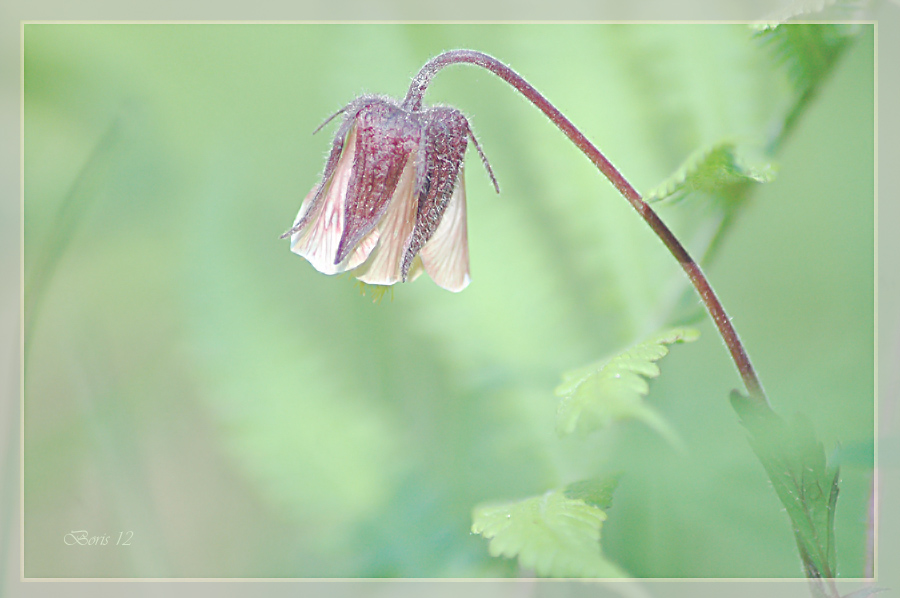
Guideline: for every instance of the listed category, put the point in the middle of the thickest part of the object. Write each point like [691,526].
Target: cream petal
[362,252]
[318,240]
[415,269]
[395,227]
[446,255]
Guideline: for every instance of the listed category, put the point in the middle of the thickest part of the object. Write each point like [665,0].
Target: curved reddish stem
[413,101]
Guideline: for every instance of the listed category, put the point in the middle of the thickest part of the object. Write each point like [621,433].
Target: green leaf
[596,492]
[719,171]
[807,51]
[612,389]
[808,54]
[805,484]
[554,534]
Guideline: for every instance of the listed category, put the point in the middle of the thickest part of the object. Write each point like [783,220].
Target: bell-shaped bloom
[392,200]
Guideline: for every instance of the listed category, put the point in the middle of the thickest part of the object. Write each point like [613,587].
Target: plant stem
[413,102]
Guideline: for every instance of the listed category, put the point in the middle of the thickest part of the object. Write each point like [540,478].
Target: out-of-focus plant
[391,203]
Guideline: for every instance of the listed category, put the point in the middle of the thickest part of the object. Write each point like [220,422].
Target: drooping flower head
[392,200]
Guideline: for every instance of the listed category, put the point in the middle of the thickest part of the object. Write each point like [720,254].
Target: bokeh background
[190,380]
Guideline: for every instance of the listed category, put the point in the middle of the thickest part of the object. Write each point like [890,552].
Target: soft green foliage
[805,484]
[185,369]
[722,172]
[807,51]
[556,534]
[719,172]
[597,492]
[613,389]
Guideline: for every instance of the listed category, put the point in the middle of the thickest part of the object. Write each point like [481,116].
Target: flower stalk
[413,102]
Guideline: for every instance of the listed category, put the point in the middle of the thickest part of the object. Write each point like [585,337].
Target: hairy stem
[413,101]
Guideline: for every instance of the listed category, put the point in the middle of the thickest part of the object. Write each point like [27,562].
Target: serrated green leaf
[613,389]
[808,51]
[807,487]
[553,534]
[720,171]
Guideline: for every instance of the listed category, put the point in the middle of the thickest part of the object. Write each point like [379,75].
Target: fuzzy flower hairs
[392,199]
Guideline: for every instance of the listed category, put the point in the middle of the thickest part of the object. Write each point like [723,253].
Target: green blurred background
[190,380]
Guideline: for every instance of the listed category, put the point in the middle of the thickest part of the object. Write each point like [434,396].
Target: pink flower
[392,199]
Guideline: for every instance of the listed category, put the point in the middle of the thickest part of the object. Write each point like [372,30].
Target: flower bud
[391,201]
